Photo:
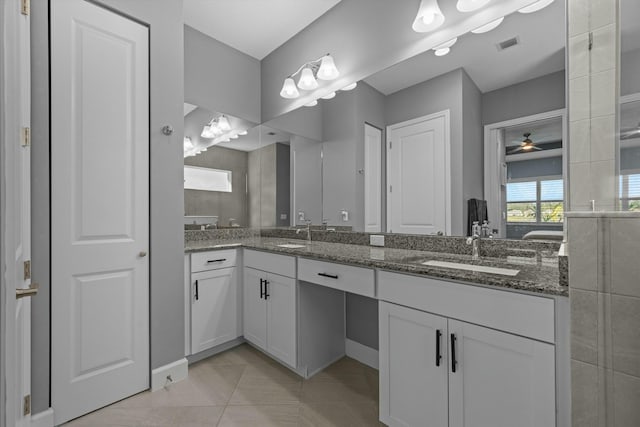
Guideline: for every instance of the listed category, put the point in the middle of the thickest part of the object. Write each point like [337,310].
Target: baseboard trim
[193,358]
[178,371]
[43,419]
[361,353]
[308,375]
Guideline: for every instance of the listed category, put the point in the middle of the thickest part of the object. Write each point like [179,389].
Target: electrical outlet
[283,216]
[376,240]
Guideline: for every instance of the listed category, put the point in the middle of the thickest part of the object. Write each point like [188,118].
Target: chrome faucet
[474,240]
[307,229]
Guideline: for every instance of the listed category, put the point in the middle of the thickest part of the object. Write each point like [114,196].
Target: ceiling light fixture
[216,127]
[488,27]
[312,103]
[444,48]
[470,5]
[242,132]
[429,17]
[323,68]
[541,4]
[329,96]
[350,86]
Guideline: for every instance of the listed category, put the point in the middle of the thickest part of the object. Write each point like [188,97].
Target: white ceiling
[541,51]
[542,131]
[255,27]
[630,30]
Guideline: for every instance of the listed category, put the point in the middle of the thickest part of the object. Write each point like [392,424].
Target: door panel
[281,318]
[413,388]
[100,207]
[213,314]
[501,380]
[255,308]
[418,176]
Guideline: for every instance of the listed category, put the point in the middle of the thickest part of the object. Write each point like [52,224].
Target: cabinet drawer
[356,280]
[273,263]
[526,315]
[202,261]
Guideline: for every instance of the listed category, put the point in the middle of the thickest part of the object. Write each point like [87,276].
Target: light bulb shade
[470,5]
[289,89]
[442,51]
[329,96]
[234,136]
[223,124]
[446,44]
[488,27]
[541,4]
[207,132]
[429,17]
[188,145]
[328,70]
[307,80]
[312,103]
[350,86]
[242,132]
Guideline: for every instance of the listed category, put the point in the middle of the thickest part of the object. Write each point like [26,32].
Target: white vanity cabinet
[270,304]
[455,372]
[215,300]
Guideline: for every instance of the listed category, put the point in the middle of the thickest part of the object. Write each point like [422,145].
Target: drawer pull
[438,354]
[197,296]
[216,260]
[330,276]
[454,362]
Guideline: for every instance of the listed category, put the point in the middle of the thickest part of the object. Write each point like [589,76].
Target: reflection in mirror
[216,168]
[629,140]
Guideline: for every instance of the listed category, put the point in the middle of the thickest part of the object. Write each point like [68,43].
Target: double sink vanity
[458,338]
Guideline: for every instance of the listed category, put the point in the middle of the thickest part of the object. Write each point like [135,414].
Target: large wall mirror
[426,146]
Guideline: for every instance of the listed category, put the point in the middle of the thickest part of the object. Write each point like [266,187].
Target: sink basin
[291,246]
[472,267]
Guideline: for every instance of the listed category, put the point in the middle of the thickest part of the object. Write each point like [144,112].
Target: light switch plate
[376,240]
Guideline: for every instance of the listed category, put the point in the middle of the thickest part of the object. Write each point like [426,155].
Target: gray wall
[166,182]
[304,122]
[268,186]
[306,186]
[362,320]
[472,144]
[630,72]
[219,77]
[283,183]
[440,93]
[546,93]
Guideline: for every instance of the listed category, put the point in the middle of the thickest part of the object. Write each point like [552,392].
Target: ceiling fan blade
[516,150]
[535,147]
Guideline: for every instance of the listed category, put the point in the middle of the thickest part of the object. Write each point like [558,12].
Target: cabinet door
[413,380]
[213,310]
[255,308]
[281,318]
[500,380]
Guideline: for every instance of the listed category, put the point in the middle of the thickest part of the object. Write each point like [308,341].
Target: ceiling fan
[527,145]
[630,133]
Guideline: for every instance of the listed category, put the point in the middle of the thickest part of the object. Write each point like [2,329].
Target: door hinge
[25,137]
[27,270]
[590,40]
[25,7]
[27,405]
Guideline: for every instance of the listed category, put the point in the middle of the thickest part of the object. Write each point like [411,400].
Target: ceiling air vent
[508,43]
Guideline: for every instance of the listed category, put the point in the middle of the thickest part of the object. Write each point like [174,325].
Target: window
[207,179]
[536,201]
[630,192]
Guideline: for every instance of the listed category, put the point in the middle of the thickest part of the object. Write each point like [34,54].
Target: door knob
[142,254]
[29,292]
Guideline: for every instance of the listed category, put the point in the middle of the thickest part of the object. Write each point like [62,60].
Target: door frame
[380,182]
[446,114]
[494,157]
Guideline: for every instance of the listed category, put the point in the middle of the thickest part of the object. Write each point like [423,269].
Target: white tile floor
[243,387]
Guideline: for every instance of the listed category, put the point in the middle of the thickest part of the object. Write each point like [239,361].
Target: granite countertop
[538,273]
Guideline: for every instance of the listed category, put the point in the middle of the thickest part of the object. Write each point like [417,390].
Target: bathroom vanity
[454,343]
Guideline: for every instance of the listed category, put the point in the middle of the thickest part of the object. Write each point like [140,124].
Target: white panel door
[255,307]
[16,217]
[413,367]
[100,207]
[372,179]
[418,175]
[500,380]
[213,308]
[281,318]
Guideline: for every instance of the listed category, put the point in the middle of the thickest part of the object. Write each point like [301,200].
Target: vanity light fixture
[541,4]
[470,5]
[216,127]
[350,86]
[323,68]
[329,96]
[242,132]
[488,27]
[312,103]
[445,48]
[224,124]
[429,17]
